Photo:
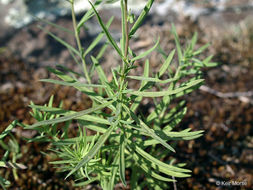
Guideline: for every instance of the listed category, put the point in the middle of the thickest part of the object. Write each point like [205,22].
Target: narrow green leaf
[114,74]
[183,134]
[89,92]
[98,38]
[145,73]
[102,77]
[83,184]
[8,129]
[55,25]
[114,171]
[69,117]
[102,51]
[61,41]
[109,36]
[201,49]
[122,160]
[165,168]
[207,60]
[147,129]
[73,84]
[162,52]
[123,26]
[194,40]
[71,141]
[87,16]
[179,51]
[60,111]
[4,183]
[164,93]
[137,101]
[149,79]
[146,52]
[12,165]
[141,18]
[166,64]
[174,118]
[60,162]
[145,168]
[94,149]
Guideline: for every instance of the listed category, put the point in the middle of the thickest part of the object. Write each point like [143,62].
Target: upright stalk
[78,41]
[126,28]
[125,37]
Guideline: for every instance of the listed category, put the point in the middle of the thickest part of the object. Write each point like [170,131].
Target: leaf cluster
[12,150]
[124,140]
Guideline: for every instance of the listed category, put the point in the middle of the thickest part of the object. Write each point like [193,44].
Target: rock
[8,87]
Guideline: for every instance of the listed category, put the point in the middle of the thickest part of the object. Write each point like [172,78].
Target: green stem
[125,36]
[127,29]
[78,41]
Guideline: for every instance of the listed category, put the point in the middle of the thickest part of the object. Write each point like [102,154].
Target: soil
[224,153]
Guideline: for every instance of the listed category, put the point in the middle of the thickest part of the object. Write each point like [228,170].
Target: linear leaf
[94,149]
[183,135]
[146,52]
[141,18]
[73,84]
[95,127]
[54,25]
[83,184]
[149,79]
[87,16]
[143,83]
[122,159]
[70,141]
[109,36]
[60,111]
[61,41]
[166,63]
[89,92]
[194,40]
[148,130]
[102,51]
[102,77]
[165,168]
[69,117]
[97,39]
[4,183]
[145,167]
[179,51]
[123,26]
[12,165]
[8,129]
[170,120]
[114,171]
[201,49]
[164,93]
[162,52]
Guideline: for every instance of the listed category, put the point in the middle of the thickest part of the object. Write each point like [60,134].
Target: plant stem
[127,29]
[125,36]
[78,41]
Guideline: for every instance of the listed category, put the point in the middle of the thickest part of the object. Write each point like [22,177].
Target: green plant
[11,148]
[124,140]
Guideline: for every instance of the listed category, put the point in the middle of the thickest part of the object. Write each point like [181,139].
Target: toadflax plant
[122,139]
